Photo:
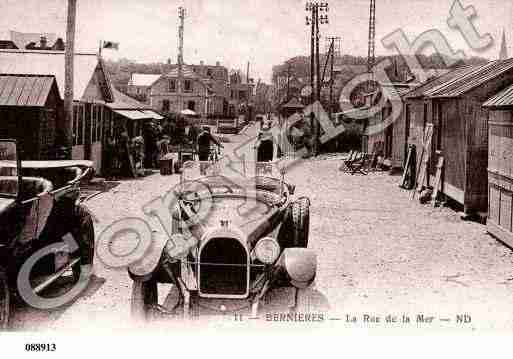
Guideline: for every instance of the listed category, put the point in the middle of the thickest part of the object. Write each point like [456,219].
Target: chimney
[43,42]
[218,63]
[202,63]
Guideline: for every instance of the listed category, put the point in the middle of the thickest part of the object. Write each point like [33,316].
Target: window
[191,105]
[188,86]
[242,95]
[209,72]
[165,105]
[232,94]
[172,85]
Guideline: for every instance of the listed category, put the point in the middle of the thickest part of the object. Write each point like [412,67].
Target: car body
[237,233]
[39,207]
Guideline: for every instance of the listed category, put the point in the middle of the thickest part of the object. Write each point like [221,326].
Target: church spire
[504,49]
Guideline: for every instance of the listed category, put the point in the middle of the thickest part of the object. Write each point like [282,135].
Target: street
[379,255]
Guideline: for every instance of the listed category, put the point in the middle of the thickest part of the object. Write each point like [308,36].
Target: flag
[110,45]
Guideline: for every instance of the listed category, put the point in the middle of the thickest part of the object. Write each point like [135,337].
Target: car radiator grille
[223,268]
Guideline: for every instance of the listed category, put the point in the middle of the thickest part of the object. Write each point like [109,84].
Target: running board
[55,276]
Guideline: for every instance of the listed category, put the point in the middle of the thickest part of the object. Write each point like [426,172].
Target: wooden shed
[500,166]
[385,132]
[453,104]
[30,108]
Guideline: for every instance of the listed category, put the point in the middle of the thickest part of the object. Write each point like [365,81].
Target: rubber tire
[5,301]
[83,233]
[144,296]
[296,225]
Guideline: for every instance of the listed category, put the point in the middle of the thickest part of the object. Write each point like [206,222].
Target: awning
[133,114]
[153,114]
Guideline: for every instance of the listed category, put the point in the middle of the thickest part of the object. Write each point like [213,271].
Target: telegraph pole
[180,85]
[68,77]
[315,7]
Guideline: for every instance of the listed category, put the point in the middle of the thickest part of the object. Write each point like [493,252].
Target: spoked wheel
[4,301]
[83,233]
[144,298]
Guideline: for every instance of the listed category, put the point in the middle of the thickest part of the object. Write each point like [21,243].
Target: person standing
[205,139]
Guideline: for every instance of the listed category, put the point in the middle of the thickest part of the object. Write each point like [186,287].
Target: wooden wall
[500,175]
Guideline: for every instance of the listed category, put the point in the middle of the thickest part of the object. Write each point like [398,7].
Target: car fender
[144,268]
[300,265]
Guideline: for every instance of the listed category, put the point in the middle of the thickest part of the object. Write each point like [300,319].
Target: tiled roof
[125,102]
[26,62]
[143,79]
[502,99]
[20,90]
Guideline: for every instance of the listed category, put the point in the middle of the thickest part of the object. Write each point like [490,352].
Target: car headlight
[267,250]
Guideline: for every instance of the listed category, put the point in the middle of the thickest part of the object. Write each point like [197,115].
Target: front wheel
[83,233]
[296,225]
[4,301]
[144,298]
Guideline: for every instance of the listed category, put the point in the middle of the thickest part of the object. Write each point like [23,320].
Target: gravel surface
[378,252]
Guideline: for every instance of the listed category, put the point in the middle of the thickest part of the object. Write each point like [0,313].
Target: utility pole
[371,56]
[288,81]
[334,51]
[315,7]
[180,85]
[68,77]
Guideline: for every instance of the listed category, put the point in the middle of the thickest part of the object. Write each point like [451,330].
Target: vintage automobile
[237,233]
[39,207]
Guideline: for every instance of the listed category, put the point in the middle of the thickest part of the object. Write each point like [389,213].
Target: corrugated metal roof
[502,99]
[50,63]
[471,80]
[31,91]
[450,76]
[143,79]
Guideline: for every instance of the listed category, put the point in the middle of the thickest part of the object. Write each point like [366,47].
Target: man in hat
[205,139]
[265,144]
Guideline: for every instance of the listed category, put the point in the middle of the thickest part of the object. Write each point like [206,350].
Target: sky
[263,32]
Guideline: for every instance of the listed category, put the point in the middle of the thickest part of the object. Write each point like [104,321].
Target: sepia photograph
[192,168]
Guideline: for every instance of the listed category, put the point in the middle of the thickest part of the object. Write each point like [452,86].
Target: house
[139,85]
[168,94]
[500,166]
[95,99]
[453,104]
[30,108]
[216,77]
[91,91]
[241,94]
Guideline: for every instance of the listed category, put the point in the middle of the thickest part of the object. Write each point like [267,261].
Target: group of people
[128,155]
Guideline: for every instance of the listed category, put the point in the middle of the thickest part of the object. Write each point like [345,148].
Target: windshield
[8,169]
[226,176]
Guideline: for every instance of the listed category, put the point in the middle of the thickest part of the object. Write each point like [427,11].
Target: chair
[361,165]
[347,163]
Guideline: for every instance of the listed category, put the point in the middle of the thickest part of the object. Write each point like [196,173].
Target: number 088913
[41,347]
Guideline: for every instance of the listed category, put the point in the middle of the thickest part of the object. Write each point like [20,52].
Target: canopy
[133,114]
[188,112]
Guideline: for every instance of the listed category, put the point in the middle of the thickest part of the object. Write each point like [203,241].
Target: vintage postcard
[204,166]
